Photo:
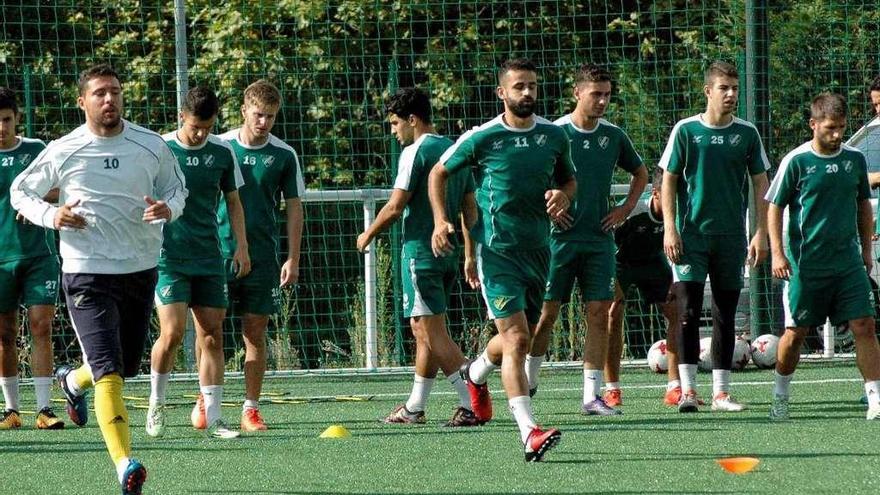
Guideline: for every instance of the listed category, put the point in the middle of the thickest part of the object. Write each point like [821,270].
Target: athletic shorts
[259,292]
[721,257]
[29,282]
[199,282]
[653,279]
[513,280]
[592,265]
[427,283]
[110,314]
[840,297]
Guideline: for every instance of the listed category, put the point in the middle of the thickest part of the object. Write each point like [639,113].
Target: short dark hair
[262,92]
[657,180]
[592,73]
[516,64]
[875,84]
[7,100]
[720,68]
[94,72]
[201,102]
[410,101]
[828,106]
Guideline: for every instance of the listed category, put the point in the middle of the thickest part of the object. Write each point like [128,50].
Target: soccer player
[704,196]
[191,271]
[526,178]
[28,276]
[642,263]
[583,252]
[824,185]
[118,183]
[427,281]
[271,170]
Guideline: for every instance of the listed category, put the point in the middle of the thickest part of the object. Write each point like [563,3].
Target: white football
[764,351]
[705,363]
[741,354]
[657,359]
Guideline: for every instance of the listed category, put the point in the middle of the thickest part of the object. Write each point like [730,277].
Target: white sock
[592,384]
[521,408]
[687,373]
[464,398]
[213,396]
[672,384]
[421,389]
[612,386]
[481,368]
[249,404]
[158,386]
[872,390]
[533,367]
[720,382]
[121,466]
[10,391]
[43,391]
[781,384]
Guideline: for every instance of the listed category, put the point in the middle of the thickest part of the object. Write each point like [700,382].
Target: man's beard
[523,108]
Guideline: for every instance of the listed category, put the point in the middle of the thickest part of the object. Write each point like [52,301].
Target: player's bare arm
[758,244]
[290,268]
[443,228]
[671,238]
[389,214]
[866,230]
[779,262]
[619,214]
[241,259]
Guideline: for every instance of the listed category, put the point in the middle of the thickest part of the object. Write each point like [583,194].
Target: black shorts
[653,280]
[111,317]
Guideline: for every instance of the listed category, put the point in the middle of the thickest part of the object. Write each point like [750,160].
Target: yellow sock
[82,376]
[113,417]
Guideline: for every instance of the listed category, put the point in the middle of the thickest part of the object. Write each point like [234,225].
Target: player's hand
[758,250]
[868,259]
[156,211]
[470,273]
[363,242]
[21,219]
[615,218]
[672,245]
[289,272]
[65,218]
[780,267]
[440,244]
[564,222]
[241,261]
[557,203]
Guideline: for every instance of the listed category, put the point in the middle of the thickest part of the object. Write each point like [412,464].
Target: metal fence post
[182,65]
[370,285]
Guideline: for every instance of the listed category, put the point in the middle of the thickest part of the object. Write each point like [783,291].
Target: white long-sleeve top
[109,177]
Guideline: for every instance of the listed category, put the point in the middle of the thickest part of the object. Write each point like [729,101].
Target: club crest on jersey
[684,269]
[268,160]
[697,139]
[603,142]
[209,160]
[847,165]
[811,169]
[501,301]
[406,301]
[165,291]
[735,139]
[540,139]
[26,158]
[497,144]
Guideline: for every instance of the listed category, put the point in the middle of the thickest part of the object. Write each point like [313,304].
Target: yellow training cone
[336,431]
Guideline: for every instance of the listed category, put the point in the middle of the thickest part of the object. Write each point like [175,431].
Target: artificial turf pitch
[828,447]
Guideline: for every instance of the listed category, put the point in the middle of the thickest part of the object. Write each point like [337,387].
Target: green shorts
[199,282]
[591,265]
[653,279]
[29,282]
[721,257]
[840,297]
[259,291]
[513,280]
[427,283]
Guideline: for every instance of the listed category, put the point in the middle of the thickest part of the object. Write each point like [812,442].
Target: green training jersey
[640,239]
[595,153]
[822,194]
[712,162]
[514,168]
[209,169]
[414,165]
[271,171]
[20,240]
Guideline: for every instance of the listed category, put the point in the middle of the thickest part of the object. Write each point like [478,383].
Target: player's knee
[41,329]
[210,342]
[255,335]
[517,342]
[863,328]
